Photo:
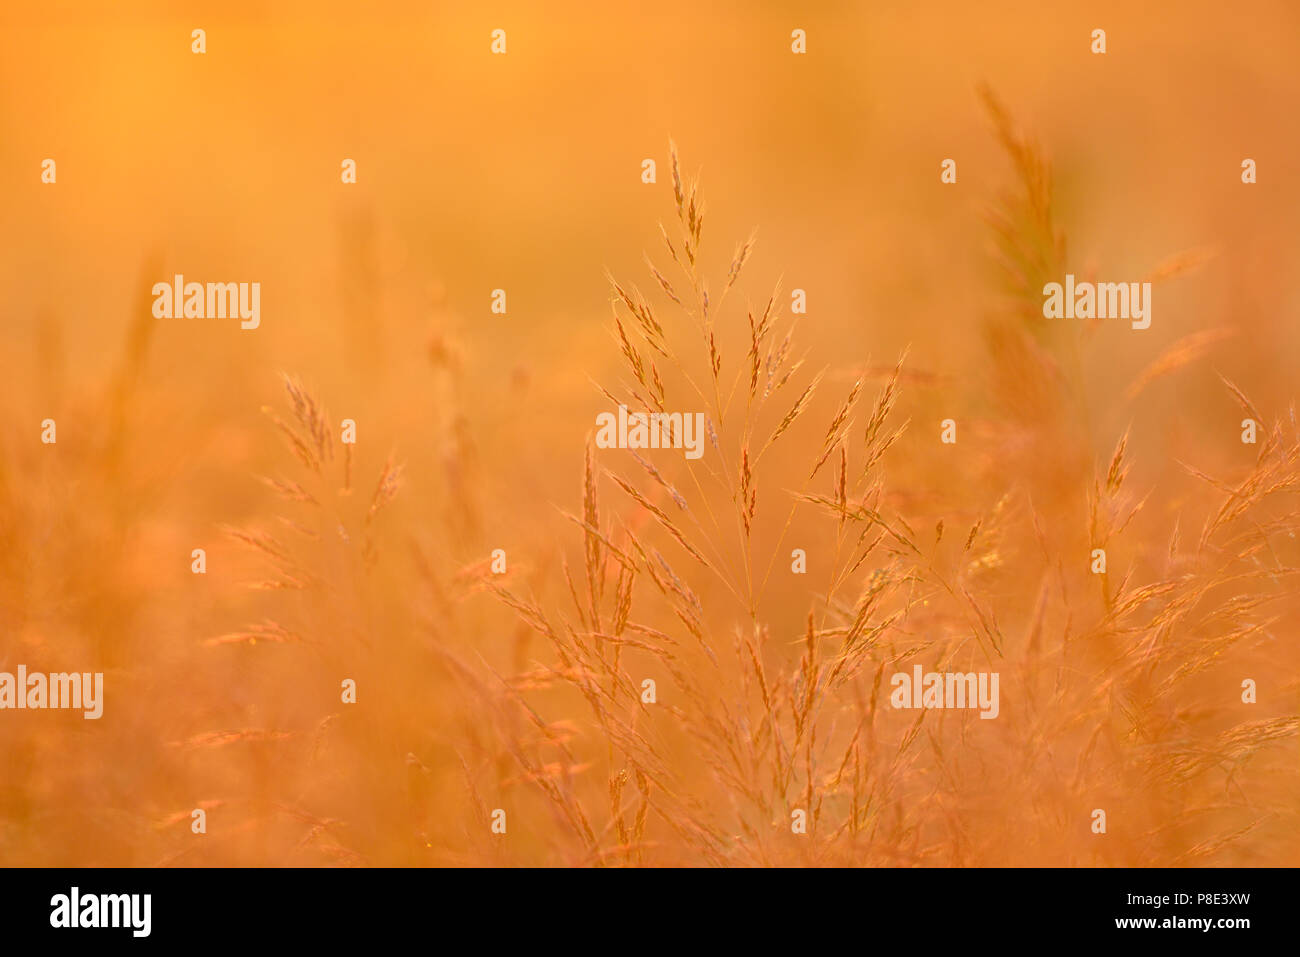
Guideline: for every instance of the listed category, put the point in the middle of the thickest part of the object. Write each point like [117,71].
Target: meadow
[481,688]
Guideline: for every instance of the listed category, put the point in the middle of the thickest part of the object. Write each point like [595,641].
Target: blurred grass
[522,172]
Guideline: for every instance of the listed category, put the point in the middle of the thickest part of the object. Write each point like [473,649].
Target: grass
[526,691]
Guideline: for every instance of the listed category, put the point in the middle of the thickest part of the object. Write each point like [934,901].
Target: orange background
[522,172]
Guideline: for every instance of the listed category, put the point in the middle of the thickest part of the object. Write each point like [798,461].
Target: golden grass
[523,691]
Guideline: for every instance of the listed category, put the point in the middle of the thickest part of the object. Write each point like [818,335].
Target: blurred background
[523,172]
